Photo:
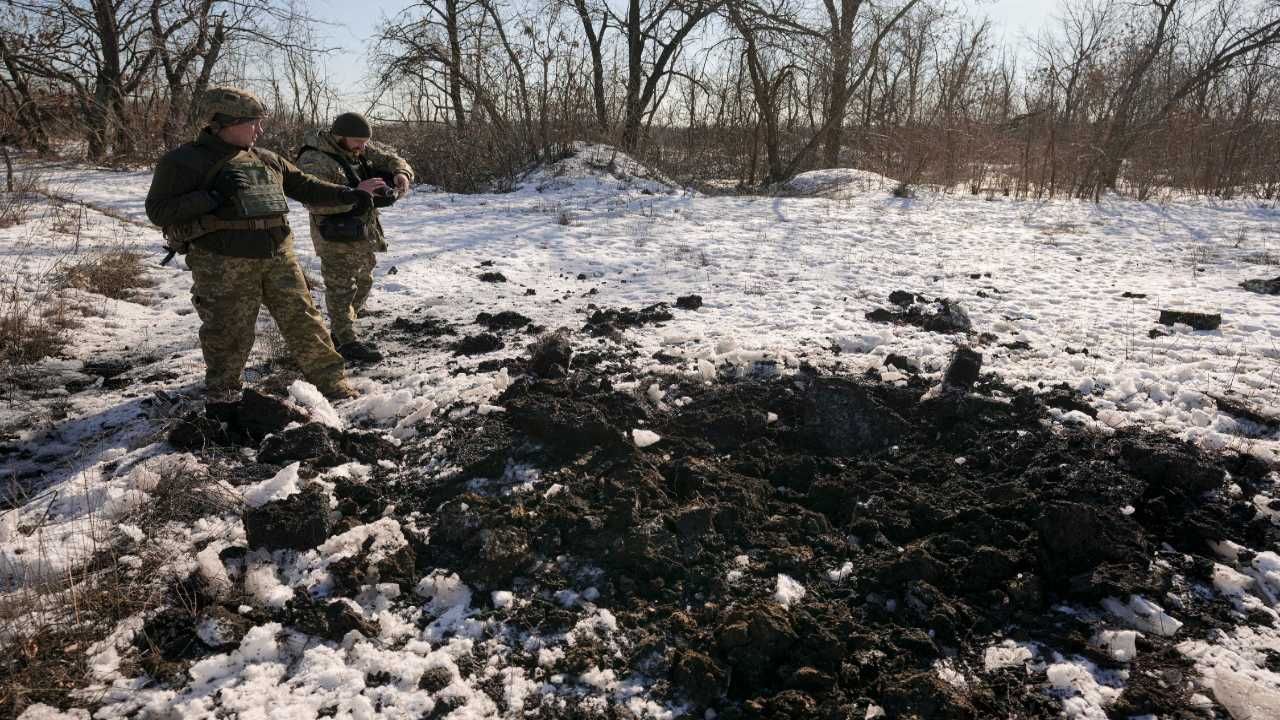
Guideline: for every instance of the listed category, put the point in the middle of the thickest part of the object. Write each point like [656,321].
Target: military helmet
[233,102]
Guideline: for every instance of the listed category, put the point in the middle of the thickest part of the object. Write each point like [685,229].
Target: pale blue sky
[354,22]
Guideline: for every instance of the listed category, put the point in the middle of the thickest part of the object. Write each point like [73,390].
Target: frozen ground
[1075,288]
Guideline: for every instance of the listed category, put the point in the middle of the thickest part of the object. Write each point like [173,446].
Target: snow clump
[787,590]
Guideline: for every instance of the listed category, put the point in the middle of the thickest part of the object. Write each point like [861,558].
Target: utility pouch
[263,198]
[342,228]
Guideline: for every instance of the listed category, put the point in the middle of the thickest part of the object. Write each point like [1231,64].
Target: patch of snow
[306,395]
[841,573]
[1007,654]
[787,591]
[278,487]
[1142,614]
[838,182]
[644,438]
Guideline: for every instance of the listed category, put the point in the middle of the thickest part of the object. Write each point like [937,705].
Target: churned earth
[766,545]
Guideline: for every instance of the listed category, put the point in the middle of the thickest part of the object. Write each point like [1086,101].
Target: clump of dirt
[246,422]
[492,277]
[505,320]
[611,321]
[420,332]
[1197,320]
[550,355]
[323,446]
[165,641]
[298,522]
[941,315]
[477,344]
[689,302]
[921,529]
[1265,287]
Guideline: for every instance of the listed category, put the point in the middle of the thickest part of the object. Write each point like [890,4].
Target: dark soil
[611,321]
[941,315]
[946,557]
[477,344]
[298,522]
[1197,320]
[964,518]
[1265,287]
[421,332]
[505,320]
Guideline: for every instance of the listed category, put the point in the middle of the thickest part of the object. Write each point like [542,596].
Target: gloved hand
[385,197]
[231,181]
[361,200]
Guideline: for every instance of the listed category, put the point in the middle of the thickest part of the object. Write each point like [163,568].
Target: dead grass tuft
[115,273]
[51,622]
[17,205]
[32,326]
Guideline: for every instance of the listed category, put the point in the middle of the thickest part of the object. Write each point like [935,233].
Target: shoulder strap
[352,178]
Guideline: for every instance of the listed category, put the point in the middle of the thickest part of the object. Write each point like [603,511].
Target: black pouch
[342,228]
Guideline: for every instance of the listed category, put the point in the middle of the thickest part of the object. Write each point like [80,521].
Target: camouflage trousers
[229,291]
[347,269]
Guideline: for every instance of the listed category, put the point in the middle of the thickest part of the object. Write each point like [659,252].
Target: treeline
[1110,95]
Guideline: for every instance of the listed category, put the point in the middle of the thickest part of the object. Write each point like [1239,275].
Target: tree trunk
[597,62]
[635,75]
[455,63]
[841,49]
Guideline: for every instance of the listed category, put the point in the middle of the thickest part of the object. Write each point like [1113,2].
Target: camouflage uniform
[347,267]
[237,270]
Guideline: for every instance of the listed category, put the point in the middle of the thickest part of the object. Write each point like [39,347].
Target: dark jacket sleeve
[310,190]
[175,195]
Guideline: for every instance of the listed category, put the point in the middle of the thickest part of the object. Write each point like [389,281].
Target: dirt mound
[611,321]
[916,528]
[477,344]
[784,547]
[1263,287]
[837,182]
[505,320]
[941,315]
[586,165]
[247,422]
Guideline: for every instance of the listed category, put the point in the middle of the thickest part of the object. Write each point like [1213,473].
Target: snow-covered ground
[788,279]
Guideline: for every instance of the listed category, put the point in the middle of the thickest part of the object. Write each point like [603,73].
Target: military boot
[357,351]
[340,390]
[223,412]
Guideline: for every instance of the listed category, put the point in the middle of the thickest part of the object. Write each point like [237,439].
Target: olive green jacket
[376,159]
[177,196]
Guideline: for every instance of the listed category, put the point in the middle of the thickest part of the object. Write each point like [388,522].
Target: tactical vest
[350,226]
[261,206]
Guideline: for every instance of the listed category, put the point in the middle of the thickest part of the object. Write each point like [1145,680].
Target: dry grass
[50,624]
[33,325]
[114,272]
[16,207]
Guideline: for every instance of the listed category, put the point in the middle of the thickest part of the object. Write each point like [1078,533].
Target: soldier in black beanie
[344,240]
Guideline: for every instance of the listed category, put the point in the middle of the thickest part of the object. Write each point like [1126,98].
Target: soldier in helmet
[346,238]
[221,200]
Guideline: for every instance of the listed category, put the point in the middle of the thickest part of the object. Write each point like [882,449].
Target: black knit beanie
[352,125]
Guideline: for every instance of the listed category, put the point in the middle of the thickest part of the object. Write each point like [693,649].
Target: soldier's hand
[231,181]
[402,184]
[361,200]
[372,185]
